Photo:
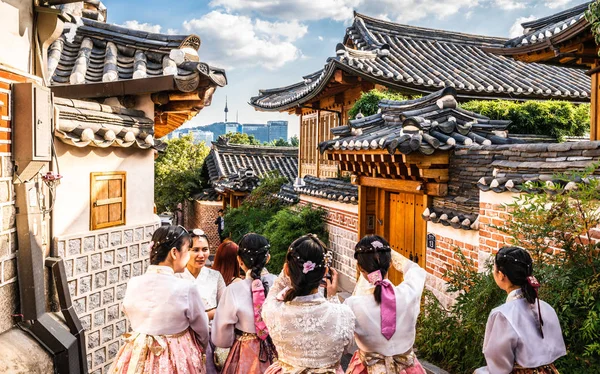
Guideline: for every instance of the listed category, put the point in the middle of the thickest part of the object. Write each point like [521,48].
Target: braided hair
[373,253]
[164,239]
[254,252]
[517,265]
[306,265]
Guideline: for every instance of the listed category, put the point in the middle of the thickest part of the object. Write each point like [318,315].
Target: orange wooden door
[406,229]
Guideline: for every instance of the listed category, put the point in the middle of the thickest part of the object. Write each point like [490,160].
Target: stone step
[431,368]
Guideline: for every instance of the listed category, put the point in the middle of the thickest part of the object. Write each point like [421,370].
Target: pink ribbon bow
[388,304]
[258,299]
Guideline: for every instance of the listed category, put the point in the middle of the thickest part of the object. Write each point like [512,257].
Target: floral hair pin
[308,266]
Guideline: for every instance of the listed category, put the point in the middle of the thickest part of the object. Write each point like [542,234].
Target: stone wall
[202,214]
[98,266]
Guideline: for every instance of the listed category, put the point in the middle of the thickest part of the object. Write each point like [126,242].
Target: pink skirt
[249,355]
[357,367]
[277,368]
[160,354]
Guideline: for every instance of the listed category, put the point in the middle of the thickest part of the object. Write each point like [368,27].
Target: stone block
[4,245]
[113,276]
[9,301]
[137,268]
[127,236]
[99,356]
[89,360]
[113,349]
[85,284]
[10,269]
[112,312]
[121,291]
[134,252]
[72,288]
[99,318]
[149,231]
[115,238]
[139,234]
[120,328]
[102,241]
[61,249]
[145,249]
[74,247]
[107,334]
[8,217]
[5,195]
[94,301]
[89,244]
[125,272]
[100,280]
[80,305]
[96,261]
[93,339]
[81,265]
[69,268]
[108,296]
[86,321]
[121,255]
[109,258]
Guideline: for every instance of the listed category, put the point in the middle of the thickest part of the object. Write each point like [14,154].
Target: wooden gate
[406,229]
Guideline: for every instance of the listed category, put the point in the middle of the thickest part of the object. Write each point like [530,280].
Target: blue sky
[272,43]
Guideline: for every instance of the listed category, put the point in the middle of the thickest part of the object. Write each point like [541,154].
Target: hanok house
[112,92]
[233,171]
[561,39]
[414,61]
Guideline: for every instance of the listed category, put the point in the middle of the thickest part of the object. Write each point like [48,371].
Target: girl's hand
[332,285]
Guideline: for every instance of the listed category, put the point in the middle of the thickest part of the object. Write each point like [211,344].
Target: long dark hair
[302,250]
[226,261]
[254,252]
[517,265]
[373,253]
[165,238]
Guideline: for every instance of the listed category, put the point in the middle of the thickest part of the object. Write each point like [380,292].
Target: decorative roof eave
[448,217]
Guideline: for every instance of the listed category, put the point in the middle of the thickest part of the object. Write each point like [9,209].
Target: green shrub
[369,101]
[570,282]
[554,118]
[288,225]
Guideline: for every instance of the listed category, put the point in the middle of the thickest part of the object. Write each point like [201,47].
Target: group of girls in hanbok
[187,318]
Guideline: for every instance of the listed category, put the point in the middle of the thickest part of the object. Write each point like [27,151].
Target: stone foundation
[98,266]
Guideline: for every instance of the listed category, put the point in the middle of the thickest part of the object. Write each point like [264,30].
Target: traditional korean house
[91,120]
[561,39]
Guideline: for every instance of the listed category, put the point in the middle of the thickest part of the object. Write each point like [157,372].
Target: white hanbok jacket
[210,283]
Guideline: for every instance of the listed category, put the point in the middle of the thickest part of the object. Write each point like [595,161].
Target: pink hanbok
[170,326]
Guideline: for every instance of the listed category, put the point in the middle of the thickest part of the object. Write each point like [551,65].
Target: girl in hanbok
[310,332]
[238,323]
[386,315]
[210,283]
[226,262]
[166,313]
[522,336]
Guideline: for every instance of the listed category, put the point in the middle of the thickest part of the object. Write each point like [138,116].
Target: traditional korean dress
[513,342]
[310,332]
[169,323]
[387,347]
[238,324]
[211,285]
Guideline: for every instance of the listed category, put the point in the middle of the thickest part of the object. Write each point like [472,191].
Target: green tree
[278,143]
[240,138]
[368,104]
[295,141]
[177,172]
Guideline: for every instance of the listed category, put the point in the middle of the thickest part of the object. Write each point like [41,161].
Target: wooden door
[406,229]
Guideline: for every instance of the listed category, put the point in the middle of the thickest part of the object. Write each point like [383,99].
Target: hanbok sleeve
[414,275]
[223,326]
[196,315]
[273,299]
[499,345]
[220,287]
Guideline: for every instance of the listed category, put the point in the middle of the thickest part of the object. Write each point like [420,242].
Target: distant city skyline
[263,132]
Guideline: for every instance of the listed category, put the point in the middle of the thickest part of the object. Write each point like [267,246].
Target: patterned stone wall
[98,266]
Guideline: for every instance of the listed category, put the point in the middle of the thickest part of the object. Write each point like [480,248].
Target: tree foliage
[241,138]
[368,103]
[554,118]
[592,15]
[279,143]
[295,141]
[570,280]
[177,172]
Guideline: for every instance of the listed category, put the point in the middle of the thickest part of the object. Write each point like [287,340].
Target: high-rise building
[259,130]
[202,136]
[277,130]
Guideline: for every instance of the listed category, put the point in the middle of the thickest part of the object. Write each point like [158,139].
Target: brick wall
[98,266]
[202,214]
[493,212]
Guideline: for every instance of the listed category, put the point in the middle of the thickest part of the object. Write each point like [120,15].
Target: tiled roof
[452,218]
[543,29]
[426,124]
[208,194]
[89,51]
[82,123]
[423,60]
[325,188]
[244,180]
[226,160]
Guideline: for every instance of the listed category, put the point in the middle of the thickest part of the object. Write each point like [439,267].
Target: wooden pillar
[316,145]
[302,140]
[594,107]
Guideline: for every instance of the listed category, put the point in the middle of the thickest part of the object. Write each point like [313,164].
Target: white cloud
[553,4]
[341,10]
[142,26]
[516,29]
[320,38]
[231,41]
[509,4]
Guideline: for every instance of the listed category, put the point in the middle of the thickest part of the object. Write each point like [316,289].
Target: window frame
[94,190]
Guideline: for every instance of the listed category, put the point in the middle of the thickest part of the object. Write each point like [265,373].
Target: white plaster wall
[72,206]
[465,236]
[491,197]
[16,25]
[349,208]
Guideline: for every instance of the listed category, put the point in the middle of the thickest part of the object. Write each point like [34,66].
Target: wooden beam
[424,161]
[416,187]
[440,175]
[594,107]
[182,106]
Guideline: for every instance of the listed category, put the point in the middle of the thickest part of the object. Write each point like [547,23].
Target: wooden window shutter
[107,199]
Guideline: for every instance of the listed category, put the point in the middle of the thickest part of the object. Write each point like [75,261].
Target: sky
[273,43]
